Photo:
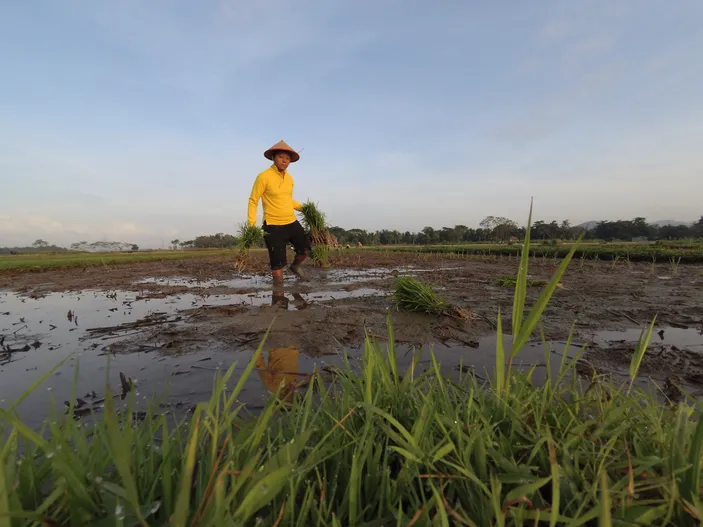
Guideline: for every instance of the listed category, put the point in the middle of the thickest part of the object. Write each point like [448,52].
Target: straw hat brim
[281,146]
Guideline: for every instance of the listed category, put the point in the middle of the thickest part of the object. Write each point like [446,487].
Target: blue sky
[146,121]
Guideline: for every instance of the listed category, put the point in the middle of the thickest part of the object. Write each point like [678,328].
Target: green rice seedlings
[413,295]
[320,255]
[249,236]
[314,222]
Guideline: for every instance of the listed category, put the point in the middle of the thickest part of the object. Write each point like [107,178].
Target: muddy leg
[277,277]
[301,243]
[295,266]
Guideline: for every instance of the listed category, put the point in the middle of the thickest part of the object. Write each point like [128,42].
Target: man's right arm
[256,193]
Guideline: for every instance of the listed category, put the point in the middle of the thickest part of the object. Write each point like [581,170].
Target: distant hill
[590,225]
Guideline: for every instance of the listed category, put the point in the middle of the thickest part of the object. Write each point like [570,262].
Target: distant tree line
[211,241]
[38,246]
[499,229]
[491,229]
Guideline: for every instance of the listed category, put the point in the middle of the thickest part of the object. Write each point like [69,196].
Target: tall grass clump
[380,446]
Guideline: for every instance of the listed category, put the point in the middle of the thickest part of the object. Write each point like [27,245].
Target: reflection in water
[279,298]
[281,371]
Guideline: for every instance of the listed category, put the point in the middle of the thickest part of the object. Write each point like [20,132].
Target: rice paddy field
[433,386]
[672,252]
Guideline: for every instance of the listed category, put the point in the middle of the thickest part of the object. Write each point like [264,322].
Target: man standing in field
[274,187]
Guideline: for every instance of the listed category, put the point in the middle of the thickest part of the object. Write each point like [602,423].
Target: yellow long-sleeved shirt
[276,193]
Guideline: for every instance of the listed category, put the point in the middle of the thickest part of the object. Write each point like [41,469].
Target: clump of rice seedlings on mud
[413,295]
[314,222]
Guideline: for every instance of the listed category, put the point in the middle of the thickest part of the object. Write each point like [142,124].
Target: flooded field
[164,328]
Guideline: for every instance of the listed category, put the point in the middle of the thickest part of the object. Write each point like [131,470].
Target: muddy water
[41,333]
[38,333]
[332,277]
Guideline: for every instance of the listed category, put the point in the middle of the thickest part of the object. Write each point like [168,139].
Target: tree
[640,227]
[430,234]
[212,241]
[135,247]
[674,232]
[40,244]
[501,228]
[446,235]
[175,243]
[460,232]
[697,228]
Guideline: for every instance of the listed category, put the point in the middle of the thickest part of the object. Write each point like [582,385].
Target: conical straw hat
[281,145]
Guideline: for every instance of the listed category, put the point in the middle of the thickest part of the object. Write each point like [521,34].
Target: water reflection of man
[281,371]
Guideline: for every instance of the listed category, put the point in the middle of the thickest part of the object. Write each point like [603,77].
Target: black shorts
[279,236]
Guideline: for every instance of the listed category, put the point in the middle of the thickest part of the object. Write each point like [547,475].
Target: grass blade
[521,279]
[642,346]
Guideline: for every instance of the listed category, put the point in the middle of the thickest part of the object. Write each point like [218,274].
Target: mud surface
[168,326]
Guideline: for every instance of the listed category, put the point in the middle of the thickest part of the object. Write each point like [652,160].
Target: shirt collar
[275,171]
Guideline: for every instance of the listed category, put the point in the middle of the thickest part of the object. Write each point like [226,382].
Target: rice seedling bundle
[249,236]
[413,295]
[314,222]
[320,255]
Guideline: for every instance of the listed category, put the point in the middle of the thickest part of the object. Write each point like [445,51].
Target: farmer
[274,187]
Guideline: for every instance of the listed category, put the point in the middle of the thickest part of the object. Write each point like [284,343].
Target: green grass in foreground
[384,447]
[38,262]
